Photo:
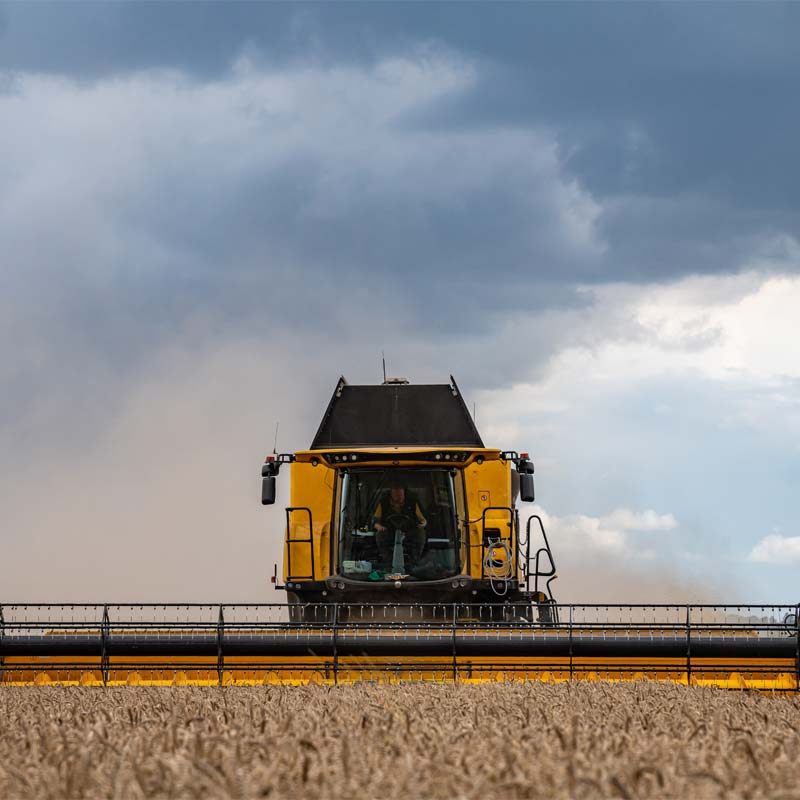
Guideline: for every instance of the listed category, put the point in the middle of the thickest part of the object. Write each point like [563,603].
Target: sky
[588,213]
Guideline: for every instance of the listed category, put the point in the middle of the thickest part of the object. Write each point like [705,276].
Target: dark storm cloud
[515,152]
[206,188]
[535,147]
[690,105]
[292,207]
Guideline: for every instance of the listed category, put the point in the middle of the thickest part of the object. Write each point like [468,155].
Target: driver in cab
[399,511]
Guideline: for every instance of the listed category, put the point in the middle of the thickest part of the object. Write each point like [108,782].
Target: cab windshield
[398,524]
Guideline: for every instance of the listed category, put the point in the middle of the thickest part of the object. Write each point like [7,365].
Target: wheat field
[409,740]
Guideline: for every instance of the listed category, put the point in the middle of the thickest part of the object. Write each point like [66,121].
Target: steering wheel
[398,521]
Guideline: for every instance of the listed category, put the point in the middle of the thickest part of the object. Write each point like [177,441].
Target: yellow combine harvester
[405,558]
[398,501]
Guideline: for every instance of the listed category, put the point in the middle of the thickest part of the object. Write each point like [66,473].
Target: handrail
[290,541]
[551,573]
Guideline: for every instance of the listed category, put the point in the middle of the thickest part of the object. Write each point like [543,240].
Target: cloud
[220,202]
[236,193]
[626,520]
[186,256]
[679,395]
[610,532]
[135,208]
[264,171]
[731,332]
[777,549]
[614,86]
[611,559]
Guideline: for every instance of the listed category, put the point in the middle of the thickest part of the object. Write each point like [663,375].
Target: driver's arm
[421,521]
[377,519]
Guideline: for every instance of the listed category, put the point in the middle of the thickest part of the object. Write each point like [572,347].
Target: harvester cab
[398,501]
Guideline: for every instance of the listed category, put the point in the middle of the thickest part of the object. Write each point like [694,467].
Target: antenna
[383,359]
[275,446]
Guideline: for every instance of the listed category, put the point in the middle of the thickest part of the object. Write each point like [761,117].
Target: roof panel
[396,414]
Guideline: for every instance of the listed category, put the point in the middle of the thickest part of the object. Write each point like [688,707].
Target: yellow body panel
[487,484]
[311,488]
[488,490]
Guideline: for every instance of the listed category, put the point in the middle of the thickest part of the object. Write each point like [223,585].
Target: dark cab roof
[396,414]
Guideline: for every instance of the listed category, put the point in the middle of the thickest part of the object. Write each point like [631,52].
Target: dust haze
[608,580]
[163,504]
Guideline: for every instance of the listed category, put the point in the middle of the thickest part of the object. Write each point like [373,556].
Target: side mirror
[526,487]
[268,490]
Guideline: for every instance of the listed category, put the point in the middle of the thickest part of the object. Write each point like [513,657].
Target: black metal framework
[272,466]
[105,629]
[544,550]
[465,550]
[694,643]
[2,633]
[220,637]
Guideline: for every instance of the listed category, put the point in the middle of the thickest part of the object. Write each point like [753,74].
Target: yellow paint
[486,485]
[312,488]
[773,676]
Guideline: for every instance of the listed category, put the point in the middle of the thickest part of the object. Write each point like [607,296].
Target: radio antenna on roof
[383,359]
[275,446]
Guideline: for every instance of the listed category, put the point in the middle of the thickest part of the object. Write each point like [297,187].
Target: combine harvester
[405,558]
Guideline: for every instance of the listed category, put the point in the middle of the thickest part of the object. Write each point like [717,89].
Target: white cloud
[627,520]
[606,559]
[736,332]
[739,327]
[609,533]
[777,549]
[681,395]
